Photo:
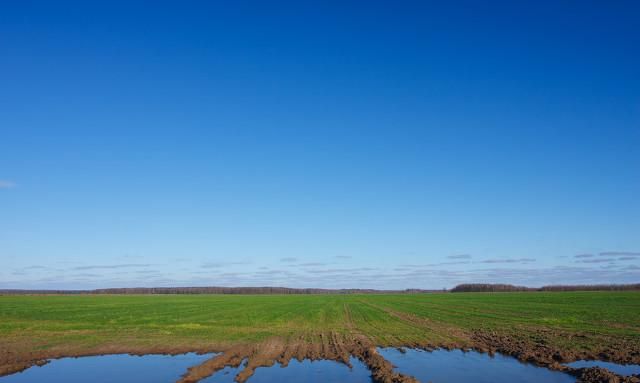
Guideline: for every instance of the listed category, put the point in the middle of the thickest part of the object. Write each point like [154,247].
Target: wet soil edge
[340,347]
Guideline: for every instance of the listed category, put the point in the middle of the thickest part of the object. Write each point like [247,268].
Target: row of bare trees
[223,290]
[466,287]
[212,290]
[496,288]
[487,287]
[627,287]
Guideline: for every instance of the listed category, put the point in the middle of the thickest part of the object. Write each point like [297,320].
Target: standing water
[319,371]
[455,366]
[164,368]
[109,369]
[439,366]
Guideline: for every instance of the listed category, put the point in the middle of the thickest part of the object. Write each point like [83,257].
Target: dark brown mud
[332,346]
[233,357]
[601,375]
[537,350]
[340,347]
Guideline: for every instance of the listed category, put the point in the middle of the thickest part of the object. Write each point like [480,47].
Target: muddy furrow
[266,355]
[536,348]
[294,350]
[233,357]
[537,351]
[456,337]
[601,375]
[381,369]
[347,317]
[327,346]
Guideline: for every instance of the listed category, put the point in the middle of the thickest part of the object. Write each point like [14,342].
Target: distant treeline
[467,287]
[216,290]
[488,288]
[496,288]
[633,286]
[38,292]
[231,290]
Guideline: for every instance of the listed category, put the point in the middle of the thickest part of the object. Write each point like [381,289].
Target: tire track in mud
[340,346]
[330,346]
[347,316]
[457,338]
[233,357]
[536,352]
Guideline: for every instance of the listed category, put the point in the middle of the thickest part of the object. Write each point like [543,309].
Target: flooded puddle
[441,366]
[166,368]
[620,369]
[305,371]
[109,369]
[226,375]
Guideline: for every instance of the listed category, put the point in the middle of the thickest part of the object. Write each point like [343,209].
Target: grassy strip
[586,319]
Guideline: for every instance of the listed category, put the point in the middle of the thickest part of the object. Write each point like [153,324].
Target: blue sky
[324,144]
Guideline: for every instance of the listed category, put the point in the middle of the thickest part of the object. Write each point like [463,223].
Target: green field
[573,320]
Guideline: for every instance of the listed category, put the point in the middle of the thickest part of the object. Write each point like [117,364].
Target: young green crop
[86,321]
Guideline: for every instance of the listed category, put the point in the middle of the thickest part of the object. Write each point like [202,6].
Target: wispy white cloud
[597,260]
[608,256]
[450,263]
[620,253]
[217,265]
[509,260]
[108,267]
[387,278]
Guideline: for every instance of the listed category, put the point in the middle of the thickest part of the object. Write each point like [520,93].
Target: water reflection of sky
[455,366]
[109,369]
[439,366]
[319,371]
[165,368]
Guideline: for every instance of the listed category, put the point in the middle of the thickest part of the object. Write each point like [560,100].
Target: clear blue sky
[319,144]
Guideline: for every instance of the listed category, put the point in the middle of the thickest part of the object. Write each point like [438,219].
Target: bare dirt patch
[535,348]
[538,350]
[331,346]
